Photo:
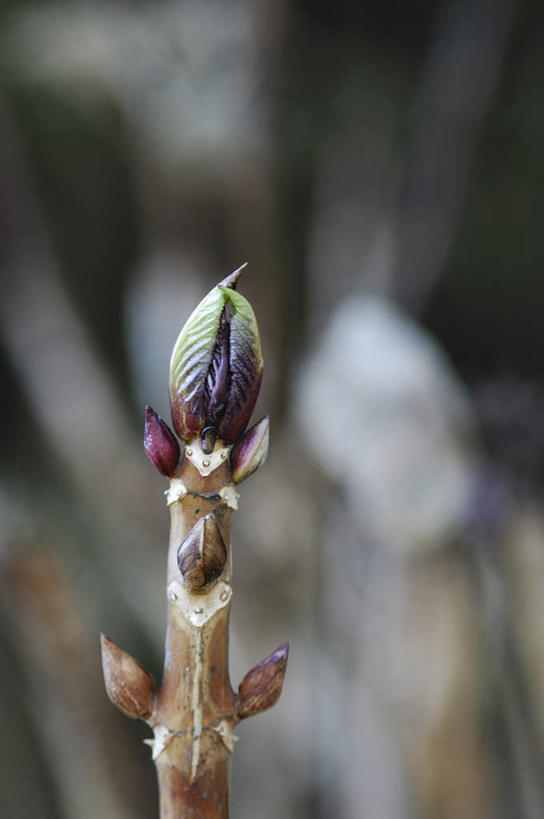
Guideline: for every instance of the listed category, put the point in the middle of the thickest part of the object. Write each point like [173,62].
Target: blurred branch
[67,388]
[49,636]
[455,94]
[65,384]
[506,668]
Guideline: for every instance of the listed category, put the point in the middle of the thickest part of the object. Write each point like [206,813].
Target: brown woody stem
[215,373]
[195,709]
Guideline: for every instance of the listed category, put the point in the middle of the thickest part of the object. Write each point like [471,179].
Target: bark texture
[195,710]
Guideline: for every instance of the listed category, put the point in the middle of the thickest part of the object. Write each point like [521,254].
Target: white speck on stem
[198,609]
[230,496]
[224,729]
[206,464]
[162,737]
[176,491]
[197,709]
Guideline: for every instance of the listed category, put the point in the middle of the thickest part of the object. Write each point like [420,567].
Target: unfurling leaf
[202,555]
[261,687]
[216,368]
[128,684]
[250,450]
[160,444]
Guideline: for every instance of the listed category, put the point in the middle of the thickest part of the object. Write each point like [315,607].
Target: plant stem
[216,371]
[195,709]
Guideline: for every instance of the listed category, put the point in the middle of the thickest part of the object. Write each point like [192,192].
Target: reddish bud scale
[160,443]
[250,450]
[129,685]
[261,687]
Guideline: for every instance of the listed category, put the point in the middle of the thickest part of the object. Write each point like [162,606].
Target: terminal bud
[216,367]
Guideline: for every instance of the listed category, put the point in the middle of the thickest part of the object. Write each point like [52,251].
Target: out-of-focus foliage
[380,167]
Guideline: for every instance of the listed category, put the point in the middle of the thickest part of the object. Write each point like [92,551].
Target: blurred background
[380,167]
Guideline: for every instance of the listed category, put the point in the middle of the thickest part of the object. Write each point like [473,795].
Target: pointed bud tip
[128,684]
[262,686]
[160,443]
[250,450]
[281,653]
[231,281]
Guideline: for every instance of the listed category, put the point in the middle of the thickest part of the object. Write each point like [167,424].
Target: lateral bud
[160,444]
[202,555]
[250,450]
[128,684]
[261,687]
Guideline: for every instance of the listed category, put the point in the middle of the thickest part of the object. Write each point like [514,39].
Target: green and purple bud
[216,368]
[160,443]
[250,450]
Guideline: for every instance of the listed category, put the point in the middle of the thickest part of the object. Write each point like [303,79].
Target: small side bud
[261,687]
[250,450]
[160,444]
[129,685]
[202,555]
